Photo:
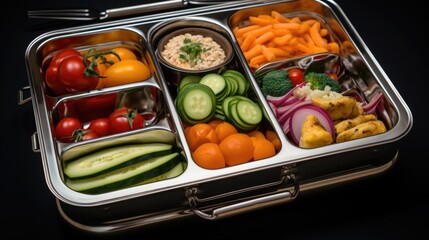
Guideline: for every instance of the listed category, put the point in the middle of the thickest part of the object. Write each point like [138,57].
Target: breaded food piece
[353,122]
[313,134]
[343,107]
[362,130]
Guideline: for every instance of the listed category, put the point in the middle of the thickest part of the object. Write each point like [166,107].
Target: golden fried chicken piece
[353,122]
[313,134]
[343,107]
[362,130]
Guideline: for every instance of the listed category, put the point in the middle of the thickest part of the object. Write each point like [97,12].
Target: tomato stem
[95,57]
[131,114]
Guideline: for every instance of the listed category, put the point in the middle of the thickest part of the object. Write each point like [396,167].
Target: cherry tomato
[62,54]
[332,75]
[67,129]
[51,79]
[100,126]
[124,72]
[51,73]
[89,135]
[94,107]
[296,76]
[71,74]
[125,119]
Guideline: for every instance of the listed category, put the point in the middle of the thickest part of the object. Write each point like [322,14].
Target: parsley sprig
[192,51]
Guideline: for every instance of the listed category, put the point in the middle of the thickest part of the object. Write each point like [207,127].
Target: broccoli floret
[320,80]
[276,83]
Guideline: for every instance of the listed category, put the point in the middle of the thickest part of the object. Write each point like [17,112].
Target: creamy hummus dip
[193,52]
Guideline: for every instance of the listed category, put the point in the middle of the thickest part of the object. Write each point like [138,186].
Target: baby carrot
[315,36]
[279,17]
[240,31]
[290,26]
[261,21]
[258,32]
[247,42]
[267,53]
[258,60]
[265,37]
[253,52]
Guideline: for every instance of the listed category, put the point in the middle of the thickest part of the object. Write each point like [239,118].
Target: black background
[393,205]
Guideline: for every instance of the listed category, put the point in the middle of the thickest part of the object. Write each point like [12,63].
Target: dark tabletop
[393,205]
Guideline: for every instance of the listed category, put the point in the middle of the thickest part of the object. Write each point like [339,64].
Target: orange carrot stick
[241,31]
[265,37]
[258,32]
[282,40]
[315,36]
[261,21]
[258,60]
[253,52]
[293,26]
[267,53]
[279,17]
[281,32]
[279,52]
[247,42]
[323,32]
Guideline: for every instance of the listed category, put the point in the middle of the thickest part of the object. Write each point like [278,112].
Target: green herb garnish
[192,51]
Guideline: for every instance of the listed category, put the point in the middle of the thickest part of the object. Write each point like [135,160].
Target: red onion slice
[280,100]
[297,117]
[370,108]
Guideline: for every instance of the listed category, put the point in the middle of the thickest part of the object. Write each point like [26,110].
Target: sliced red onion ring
[280,100]
[370,108]
[283,115]
[297,117]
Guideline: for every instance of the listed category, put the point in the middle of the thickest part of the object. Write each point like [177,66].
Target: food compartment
[137,146]
[301,60]
[121,111]
[269,34]
[114,136]
[92,61]
[224,122]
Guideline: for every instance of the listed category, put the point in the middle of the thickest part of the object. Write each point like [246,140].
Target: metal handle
[143,8]
[35,142]
[21,99]
[244,206]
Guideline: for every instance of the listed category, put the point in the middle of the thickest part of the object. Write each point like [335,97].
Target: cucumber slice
[215,81]
[110,159]
[176,171]
[125,177]
[192,78]
[249,112]
[233,84]
[236,120]
[196,103]
[226,104]
[243,84]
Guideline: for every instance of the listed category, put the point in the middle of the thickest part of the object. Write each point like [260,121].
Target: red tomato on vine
[74,77]
[51,73]
[125,119]
[68,129]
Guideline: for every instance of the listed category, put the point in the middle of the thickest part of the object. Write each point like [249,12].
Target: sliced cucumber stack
[242,112]
[110,159]
[222,96]
[196,103]
[243,84]
[128,176]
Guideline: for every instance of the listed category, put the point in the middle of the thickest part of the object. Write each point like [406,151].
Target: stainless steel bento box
[210,194]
